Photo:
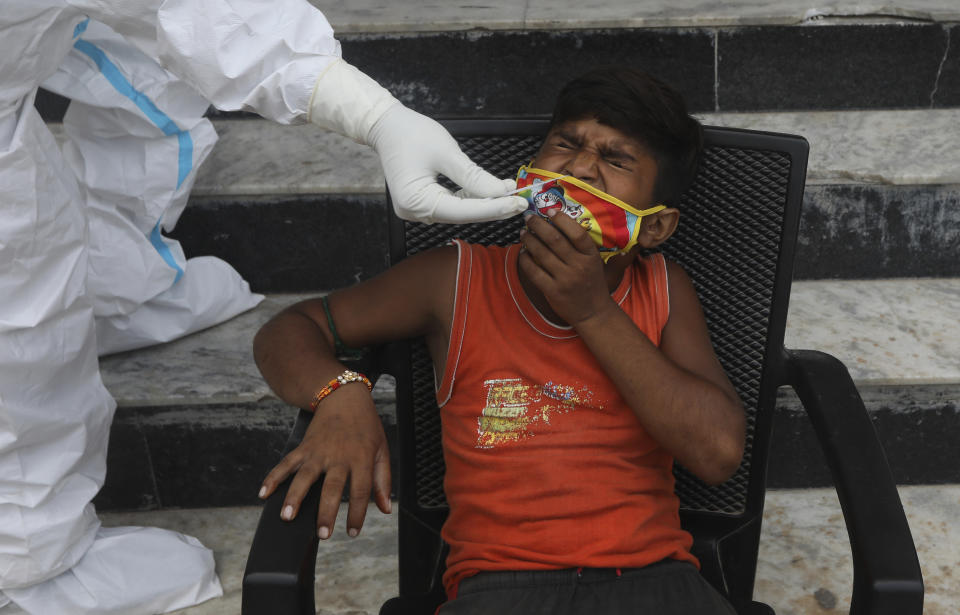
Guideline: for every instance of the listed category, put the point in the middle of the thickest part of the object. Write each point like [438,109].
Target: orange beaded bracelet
[344,378]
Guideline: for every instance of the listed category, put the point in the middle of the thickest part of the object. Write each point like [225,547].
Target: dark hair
[646,109]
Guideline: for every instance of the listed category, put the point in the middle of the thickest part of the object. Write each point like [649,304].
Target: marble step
[890,148]
[477,58]
[369,16]
[896,64]
[196,425]
[882,199]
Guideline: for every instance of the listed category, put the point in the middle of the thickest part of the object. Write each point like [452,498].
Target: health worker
[85,268]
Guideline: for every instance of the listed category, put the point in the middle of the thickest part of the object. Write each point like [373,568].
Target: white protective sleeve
[238,54]
[279,58]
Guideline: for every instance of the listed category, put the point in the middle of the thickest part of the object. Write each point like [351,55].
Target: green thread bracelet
[339,348]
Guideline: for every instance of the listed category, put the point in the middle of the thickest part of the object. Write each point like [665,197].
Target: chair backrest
[736,240]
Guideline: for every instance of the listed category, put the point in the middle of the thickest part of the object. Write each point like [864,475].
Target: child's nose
[582,165]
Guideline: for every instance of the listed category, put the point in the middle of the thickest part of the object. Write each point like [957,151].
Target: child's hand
[344,440]
[564,264]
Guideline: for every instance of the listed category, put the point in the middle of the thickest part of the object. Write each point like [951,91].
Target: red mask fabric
[612,224]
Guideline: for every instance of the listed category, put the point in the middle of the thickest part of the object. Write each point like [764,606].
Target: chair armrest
[279,576]
[886,571]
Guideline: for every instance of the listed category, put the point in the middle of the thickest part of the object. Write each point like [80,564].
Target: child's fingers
[540,252]
[381,480]
[360,483]
[534,272]
[278,474]
[330,497]
[302,481]
[574,233]
[552,236]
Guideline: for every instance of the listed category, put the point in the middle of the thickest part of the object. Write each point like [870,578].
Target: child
[571,374]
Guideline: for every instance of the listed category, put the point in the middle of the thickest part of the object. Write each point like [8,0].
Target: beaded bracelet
[344,378]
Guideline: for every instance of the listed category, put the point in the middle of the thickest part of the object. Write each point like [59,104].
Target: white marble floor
[804,563]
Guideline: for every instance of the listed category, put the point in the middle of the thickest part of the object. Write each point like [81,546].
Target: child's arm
[678,391]
[345,438]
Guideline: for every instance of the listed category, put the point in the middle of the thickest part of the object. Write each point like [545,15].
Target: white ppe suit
[80,239]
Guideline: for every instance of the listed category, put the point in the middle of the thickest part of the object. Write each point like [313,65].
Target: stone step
[882,199]
[477,58]
[376,16]
[901,64]
[804,564]
[887,148]
[196,425]
[898,338]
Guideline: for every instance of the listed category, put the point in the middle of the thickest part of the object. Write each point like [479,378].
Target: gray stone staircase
[874,87]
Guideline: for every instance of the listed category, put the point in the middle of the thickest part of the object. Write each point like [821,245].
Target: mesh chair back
[736,240]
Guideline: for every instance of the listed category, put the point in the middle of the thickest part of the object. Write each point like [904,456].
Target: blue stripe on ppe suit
[155,115]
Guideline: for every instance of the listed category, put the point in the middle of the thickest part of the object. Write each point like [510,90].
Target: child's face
[601,156]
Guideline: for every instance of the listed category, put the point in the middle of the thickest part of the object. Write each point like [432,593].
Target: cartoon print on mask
[553,198]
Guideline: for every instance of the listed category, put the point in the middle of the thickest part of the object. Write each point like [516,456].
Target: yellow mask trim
[595,192]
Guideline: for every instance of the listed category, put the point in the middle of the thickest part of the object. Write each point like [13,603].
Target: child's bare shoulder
[431,274]
[676,273]
[433,260]
[684,303]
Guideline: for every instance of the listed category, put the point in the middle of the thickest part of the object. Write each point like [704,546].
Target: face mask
[612,224]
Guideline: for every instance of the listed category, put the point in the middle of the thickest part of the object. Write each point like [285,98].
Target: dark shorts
[665,588]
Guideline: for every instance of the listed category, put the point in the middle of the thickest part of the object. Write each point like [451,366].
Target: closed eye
[616,157]
[566,139]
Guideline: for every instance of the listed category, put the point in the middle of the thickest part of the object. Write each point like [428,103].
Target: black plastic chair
[742,268]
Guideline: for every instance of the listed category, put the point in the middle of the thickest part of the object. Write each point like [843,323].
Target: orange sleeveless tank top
[547,465]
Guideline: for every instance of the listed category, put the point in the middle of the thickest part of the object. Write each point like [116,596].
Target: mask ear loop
[635,233]
[643,214]
[651,210]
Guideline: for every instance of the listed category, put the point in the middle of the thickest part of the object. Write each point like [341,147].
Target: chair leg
[759,608]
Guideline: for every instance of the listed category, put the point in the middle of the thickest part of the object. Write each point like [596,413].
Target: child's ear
[657,228]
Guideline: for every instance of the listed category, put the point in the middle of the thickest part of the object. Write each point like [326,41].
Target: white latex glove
[413,150]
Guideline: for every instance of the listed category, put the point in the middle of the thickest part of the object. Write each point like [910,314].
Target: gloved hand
[413,149]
